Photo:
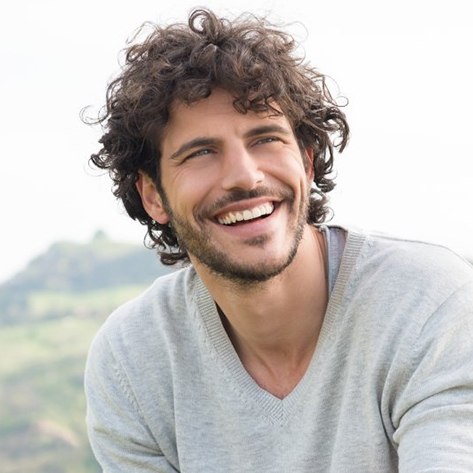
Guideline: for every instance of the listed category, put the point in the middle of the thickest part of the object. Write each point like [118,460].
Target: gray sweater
[389,388]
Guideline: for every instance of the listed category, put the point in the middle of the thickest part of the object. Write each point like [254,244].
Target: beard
[199,243]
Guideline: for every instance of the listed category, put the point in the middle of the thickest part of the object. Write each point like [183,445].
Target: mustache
[239,194]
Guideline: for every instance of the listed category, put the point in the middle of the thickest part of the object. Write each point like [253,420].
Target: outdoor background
[405,67]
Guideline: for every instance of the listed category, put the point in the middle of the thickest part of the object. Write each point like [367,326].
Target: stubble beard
[199,243]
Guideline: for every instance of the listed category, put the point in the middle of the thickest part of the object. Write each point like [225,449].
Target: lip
[252,228]
[242,205]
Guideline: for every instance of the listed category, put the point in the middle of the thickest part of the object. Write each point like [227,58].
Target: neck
[274,325]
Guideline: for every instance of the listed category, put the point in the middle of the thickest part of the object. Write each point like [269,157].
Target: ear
[151,199]
[308,156]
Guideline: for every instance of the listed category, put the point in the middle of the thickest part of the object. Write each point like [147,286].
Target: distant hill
[49,314]
[72,273]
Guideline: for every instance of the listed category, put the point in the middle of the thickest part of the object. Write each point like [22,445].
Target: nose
[241,170]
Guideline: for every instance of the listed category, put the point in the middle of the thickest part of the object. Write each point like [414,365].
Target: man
[286,345]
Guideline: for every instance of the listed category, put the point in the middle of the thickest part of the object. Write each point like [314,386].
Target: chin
[242,274]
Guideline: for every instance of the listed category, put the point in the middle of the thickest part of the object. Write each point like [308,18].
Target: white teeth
[246,214]
[256,213]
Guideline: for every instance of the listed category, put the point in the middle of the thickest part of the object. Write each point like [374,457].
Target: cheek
[291,168]
[187,197]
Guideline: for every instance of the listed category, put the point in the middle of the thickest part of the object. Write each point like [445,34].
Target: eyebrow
[206,141]
[264,129]
[195,143]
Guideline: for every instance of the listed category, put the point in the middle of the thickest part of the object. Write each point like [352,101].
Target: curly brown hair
[247,57]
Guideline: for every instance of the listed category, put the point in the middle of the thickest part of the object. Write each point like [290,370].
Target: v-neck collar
[277,410]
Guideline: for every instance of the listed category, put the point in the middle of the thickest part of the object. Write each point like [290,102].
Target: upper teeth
[247,214]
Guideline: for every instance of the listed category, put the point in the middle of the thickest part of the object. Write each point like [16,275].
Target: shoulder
[402,288]
[406,301]
[413,265]
[160,313]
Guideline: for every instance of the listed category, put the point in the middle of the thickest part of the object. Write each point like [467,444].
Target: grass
[42,405]
[50,303]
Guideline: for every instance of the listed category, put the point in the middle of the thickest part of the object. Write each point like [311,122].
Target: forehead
[213,116]
[219,101]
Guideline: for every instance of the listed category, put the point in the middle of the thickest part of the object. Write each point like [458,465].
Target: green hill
[49,314]
[77,278]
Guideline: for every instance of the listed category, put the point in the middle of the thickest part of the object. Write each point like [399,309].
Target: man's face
[235,188]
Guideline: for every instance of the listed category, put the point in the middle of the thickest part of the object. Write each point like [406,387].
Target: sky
[405,67]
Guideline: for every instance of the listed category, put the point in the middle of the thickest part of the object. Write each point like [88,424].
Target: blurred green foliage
[49,314]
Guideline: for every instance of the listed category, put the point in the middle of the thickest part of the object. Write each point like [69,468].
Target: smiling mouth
[246,215]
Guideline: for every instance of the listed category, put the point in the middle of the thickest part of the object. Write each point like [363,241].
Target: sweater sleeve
[119,437]
[434,414]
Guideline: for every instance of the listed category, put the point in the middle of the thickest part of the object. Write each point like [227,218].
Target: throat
[275,370]
[275,326]
[280,380]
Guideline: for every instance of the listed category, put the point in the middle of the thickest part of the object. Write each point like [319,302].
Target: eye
[267,139]
[198,153]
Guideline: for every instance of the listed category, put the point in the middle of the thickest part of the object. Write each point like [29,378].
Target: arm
[434,413]
[118,434]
